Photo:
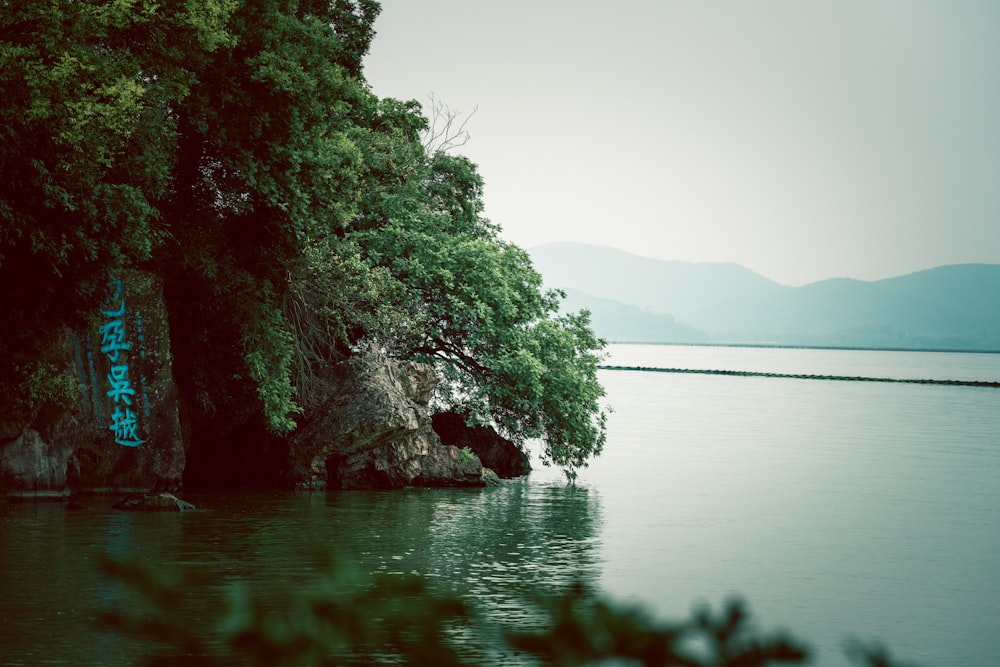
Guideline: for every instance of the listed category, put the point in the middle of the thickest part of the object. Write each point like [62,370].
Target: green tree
[86,148]
[266,173]
[479,313]
[234,147]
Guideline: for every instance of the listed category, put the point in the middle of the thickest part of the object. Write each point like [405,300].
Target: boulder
[375,432]
[445,465]
[153,502]
[32,467]
[497,453]
[490,478]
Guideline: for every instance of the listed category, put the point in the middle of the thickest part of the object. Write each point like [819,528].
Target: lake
[836,509]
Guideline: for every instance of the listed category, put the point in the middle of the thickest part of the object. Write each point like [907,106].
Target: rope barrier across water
[802,376]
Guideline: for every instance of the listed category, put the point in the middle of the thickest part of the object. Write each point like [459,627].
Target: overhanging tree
[479,313]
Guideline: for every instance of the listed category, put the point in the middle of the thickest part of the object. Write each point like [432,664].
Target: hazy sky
[805,140]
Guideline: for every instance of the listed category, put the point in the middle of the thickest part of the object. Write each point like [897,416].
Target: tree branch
[446,130]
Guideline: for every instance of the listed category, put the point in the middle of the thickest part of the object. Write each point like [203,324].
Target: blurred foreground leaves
[346,618]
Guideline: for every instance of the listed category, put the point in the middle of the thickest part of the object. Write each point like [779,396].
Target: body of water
[836,509]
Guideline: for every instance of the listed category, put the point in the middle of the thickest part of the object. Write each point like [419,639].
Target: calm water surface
[836,509]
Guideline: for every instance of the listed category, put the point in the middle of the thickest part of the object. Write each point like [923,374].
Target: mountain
[948,307]
[614,320]
[680,289]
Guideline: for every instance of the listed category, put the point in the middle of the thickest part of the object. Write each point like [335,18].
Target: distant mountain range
[638,299]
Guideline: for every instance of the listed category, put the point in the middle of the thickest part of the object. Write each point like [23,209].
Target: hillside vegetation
[234,148]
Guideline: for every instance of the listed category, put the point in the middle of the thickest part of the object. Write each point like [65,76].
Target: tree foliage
[87,138]
[234,147]
[480,314]
[345,617]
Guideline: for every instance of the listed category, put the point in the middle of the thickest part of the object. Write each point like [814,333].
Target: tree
[478,312]
[86,149]
[234,147]
[266,172]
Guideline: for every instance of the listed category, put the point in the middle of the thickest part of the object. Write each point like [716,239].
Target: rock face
[121,432]
[496,452]
[375,432]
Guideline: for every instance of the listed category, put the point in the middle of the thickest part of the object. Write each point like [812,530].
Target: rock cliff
[375,432]
[497,453]
[121,431]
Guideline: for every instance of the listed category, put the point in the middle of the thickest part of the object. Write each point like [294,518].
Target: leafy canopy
[234,147]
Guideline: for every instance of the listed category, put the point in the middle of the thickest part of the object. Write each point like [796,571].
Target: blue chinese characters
[124,424]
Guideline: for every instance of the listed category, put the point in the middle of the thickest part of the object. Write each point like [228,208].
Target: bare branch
[447,128]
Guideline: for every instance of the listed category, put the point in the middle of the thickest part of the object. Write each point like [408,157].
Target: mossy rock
[490,478]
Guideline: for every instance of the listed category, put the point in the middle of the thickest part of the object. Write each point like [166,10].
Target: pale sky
[804,140]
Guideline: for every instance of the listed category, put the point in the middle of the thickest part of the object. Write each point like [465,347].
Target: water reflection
[501,547]
[50,592]
[497,547]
